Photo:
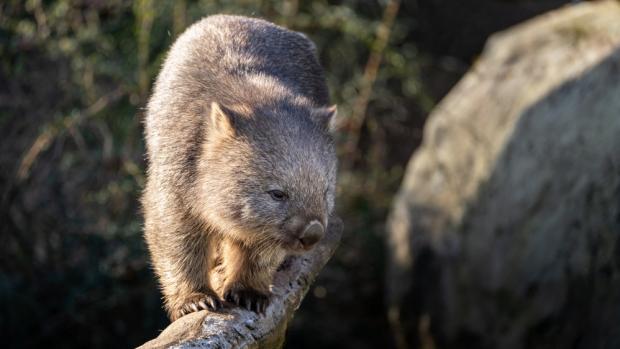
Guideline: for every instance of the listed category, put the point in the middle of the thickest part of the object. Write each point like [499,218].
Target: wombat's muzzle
[312,233]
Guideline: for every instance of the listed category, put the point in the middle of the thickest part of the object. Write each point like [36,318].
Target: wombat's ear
[222,120]
[325,117]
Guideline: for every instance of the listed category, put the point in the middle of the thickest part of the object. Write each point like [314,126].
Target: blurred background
[75,76]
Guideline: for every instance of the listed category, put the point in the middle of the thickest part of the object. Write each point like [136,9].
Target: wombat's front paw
[196,302]
[247,298]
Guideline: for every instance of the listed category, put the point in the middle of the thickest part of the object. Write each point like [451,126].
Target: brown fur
[238,113]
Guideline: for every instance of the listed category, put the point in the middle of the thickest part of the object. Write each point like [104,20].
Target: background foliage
[74,78]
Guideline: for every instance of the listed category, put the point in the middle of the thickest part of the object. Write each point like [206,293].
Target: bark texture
[506,228]
[237,328]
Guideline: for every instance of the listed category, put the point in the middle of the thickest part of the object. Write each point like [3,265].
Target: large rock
[505,233]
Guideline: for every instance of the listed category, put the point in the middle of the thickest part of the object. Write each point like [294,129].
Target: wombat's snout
[312,233]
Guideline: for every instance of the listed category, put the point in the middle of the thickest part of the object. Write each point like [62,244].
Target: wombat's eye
[278,195]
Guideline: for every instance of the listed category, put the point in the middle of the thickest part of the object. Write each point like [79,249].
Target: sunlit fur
[239,108]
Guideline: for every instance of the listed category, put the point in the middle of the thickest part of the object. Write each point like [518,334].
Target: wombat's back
[229,59]
[213,59]
[234,45]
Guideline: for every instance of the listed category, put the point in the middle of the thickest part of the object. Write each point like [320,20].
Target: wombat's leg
[245,282]
[186,295]
[182,267]
[247,298]
[206,300]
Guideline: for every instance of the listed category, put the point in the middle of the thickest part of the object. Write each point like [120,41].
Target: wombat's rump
[241,166]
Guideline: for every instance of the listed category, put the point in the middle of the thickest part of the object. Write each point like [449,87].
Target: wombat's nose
[312,234]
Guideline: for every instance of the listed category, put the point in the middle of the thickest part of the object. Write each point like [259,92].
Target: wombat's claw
[248,299]
[198,302]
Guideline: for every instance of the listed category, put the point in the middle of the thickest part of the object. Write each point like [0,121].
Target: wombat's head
[268,175]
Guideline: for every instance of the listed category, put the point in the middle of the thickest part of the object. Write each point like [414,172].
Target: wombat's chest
[261,257]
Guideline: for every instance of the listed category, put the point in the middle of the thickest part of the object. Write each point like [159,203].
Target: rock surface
[237,328]
[507,224]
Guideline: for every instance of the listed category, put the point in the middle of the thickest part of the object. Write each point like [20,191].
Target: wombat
[241,163]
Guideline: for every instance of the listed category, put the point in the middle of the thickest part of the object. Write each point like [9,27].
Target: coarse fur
[237,118]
